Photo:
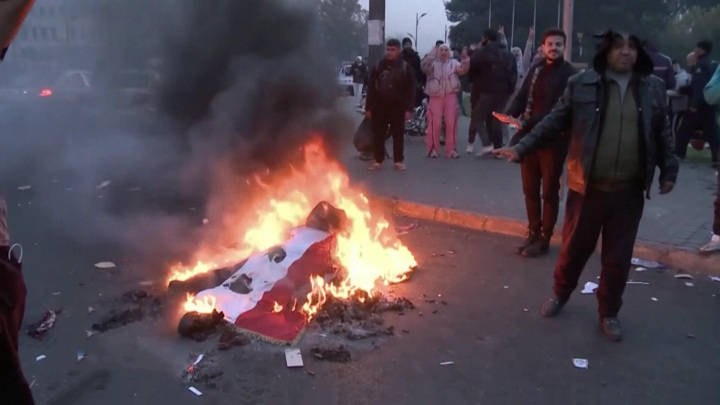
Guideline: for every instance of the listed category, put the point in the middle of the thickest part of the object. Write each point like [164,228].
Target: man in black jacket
[662,65]
[493,74]
[700,114]
[617,117]
[390,101]
[543,87]
[411,57]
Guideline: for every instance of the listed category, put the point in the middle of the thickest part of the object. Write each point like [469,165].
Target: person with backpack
[493,74]
[712,97]
[390,102]
[443,85]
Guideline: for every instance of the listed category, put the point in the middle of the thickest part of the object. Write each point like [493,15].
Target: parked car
[129,91]
[345,79]
[43,97]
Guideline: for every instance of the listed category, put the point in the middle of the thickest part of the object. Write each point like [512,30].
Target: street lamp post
[489,13]
[568,27]
[418,17]
[512,27]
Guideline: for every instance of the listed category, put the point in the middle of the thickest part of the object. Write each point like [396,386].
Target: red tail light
[45,93]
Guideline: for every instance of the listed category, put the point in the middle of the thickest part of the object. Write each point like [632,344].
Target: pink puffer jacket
[443,77]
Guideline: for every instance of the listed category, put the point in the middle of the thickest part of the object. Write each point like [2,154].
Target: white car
[345,79]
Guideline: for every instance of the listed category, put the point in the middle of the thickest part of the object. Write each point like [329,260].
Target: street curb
[676,258]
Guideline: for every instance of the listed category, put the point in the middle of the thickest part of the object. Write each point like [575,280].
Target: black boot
[539,247]
[552,307]
[529,240]
[611,329]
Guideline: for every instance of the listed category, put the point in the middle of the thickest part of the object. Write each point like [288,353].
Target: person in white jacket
[443,84]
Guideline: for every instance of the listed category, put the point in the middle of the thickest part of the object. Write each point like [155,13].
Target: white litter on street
[590,287]
[293,358]
[637,283]
[24,188]
[581,363]
[40,357]
[105,265]
[104,184]
[654,299]
[195,391]
[715,278]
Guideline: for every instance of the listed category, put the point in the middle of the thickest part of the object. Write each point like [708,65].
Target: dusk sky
[400,20]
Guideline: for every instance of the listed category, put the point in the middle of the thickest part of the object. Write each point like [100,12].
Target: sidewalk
[490,187]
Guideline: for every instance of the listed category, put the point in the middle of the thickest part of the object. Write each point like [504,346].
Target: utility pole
[489,13]
[512,27]
[376,31]
[568,11]
[418,17]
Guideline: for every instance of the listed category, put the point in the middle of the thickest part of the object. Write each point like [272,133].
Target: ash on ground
[206,372]
[133,306]
[359,318]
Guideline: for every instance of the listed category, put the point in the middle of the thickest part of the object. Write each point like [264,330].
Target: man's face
[392,52]
[622,56]
[553,47]
[407,45]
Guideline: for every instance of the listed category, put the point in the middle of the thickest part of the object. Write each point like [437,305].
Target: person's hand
[408,115]
[532,31]
[465,53]
[509,153]
[368,114]
[501,30]
[666,187]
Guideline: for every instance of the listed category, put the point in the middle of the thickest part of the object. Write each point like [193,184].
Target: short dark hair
[491,35]
[554,32]
[407,40]
[705,45]
[393,42]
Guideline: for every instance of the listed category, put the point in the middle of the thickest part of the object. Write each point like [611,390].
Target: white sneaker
[400,166]
[470,149]
[433,155]
[486,150]
[711,247]
[374,166]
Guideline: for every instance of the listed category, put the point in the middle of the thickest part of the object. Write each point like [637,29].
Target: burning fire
[368,253]
[277,308]
[204,306]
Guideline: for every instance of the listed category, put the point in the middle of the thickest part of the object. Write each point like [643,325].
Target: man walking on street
[390,101]
[359,72]
[493,74]
[543,87]
[617,117]
[700,114]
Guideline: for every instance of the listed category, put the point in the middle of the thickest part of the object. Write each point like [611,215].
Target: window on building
[53,34]
[34,32]
[43,33]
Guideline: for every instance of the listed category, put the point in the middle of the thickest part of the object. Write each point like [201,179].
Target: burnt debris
[133,306]
[199,327]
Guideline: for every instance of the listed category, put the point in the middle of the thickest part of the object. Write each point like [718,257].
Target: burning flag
[340,249]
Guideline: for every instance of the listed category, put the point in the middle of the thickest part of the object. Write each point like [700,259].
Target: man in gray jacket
[616,114]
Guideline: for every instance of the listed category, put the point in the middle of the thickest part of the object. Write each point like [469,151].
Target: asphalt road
[489,326]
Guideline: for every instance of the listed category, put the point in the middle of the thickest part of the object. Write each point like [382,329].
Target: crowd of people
[609,125]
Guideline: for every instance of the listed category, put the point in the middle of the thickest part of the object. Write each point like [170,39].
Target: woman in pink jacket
[443,84]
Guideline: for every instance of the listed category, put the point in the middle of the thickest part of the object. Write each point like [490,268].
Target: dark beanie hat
[406,40]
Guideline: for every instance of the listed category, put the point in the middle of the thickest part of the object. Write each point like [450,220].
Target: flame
[204,306]
[368,253]
[277,308]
